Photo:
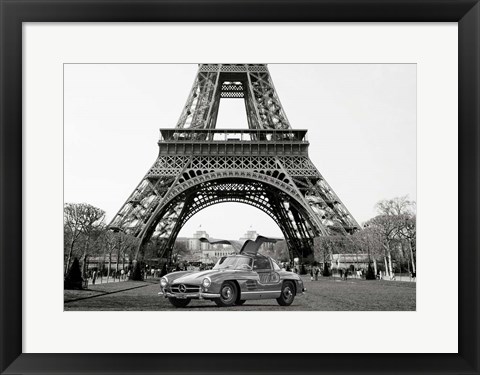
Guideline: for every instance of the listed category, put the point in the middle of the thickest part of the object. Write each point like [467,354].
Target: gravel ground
[327,294]
[102,289]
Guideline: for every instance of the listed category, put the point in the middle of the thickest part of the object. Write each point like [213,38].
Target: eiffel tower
[265,165]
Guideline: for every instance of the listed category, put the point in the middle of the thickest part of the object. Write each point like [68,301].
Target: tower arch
[265,194]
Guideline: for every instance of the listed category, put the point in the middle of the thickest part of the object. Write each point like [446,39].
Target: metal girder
[250,82]
[257,194]
[267,166]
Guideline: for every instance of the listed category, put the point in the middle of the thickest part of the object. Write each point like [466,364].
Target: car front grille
[188,288]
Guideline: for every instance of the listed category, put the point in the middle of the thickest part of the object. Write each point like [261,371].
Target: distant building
[191,256]
[208,254]
[101,263]
[346,260]
[215,252]
[194,243]
[251,234]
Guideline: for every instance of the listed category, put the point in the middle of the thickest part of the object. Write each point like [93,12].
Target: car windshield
[276,266]
[236,262]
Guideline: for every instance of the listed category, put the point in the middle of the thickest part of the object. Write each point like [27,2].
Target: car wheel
[228,294]
[179,302]
[240,302]
[288,294]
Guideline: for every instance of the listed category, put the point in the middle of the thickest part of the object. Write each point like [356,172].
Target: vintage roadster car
[234,279]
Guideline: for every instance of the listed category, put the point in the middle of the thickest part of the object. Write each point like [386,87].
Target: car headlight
[206,282]
[163,282]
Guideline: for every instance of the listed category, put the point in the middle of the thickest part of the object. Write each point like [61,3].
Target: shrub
[137,272]
[163,272]
[73,280]
[326,271]
[370,273]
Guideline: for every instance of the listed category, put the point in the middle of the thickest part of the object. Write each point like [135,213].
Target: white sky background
[361,121]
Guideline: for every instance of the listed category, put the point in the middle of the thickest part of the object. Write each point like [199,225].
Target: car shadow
[200,307]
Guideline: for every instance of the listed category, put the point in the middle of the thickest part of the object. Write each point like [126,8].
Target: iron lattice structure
[266,166]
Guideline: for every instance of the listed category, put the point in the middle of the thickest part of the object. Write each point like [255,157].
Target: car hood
[197,277]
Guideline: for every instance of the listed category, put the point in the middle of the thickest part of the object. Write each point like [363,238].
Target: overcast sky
[361,121]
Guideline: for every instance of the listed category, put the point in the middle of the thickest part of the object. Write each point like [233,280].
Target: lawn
[327,294]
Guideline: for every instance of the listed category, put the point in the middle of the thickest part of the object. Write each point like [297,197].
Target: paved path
[327,294]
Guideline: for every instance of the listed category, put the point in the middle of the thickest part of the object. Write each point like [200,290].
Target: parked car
[234,280]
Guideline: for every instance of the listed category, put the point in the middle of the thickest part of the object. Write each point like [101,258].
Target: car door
[268,278]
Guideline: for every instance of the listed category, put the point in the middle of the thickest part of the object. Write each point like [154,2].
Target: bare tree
[110,243]
[280,251]
[127,244]
[326,246]
[396,224]
[389,227]
[179,250]
[89,244]
[369,239]
[408,234]
[322,249]
[80,219]
[396,206]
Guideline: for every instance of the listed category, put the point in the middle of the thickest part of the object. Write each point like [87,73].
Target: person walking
[311,274]
[317,271]
[94,277]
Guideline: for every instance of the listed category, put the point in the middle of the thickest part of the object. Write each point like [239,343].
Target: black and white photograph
[210,170]
[240,187]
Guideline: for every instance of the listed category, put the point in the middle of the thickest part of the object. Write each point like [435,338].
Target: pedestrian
[340,271]
[311,274]
[122,274]
[129,273]
[346,274]
[94,277]
[317,271]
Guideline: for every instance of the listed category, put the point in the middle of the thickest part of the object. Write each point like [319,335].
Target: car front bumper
[196,295]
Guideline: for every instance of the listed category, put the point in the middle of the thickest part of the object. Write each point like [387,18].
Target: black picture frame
[14,12]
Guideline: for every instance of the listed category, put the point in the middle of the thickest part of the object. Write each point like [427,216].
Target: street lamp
[365,226]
